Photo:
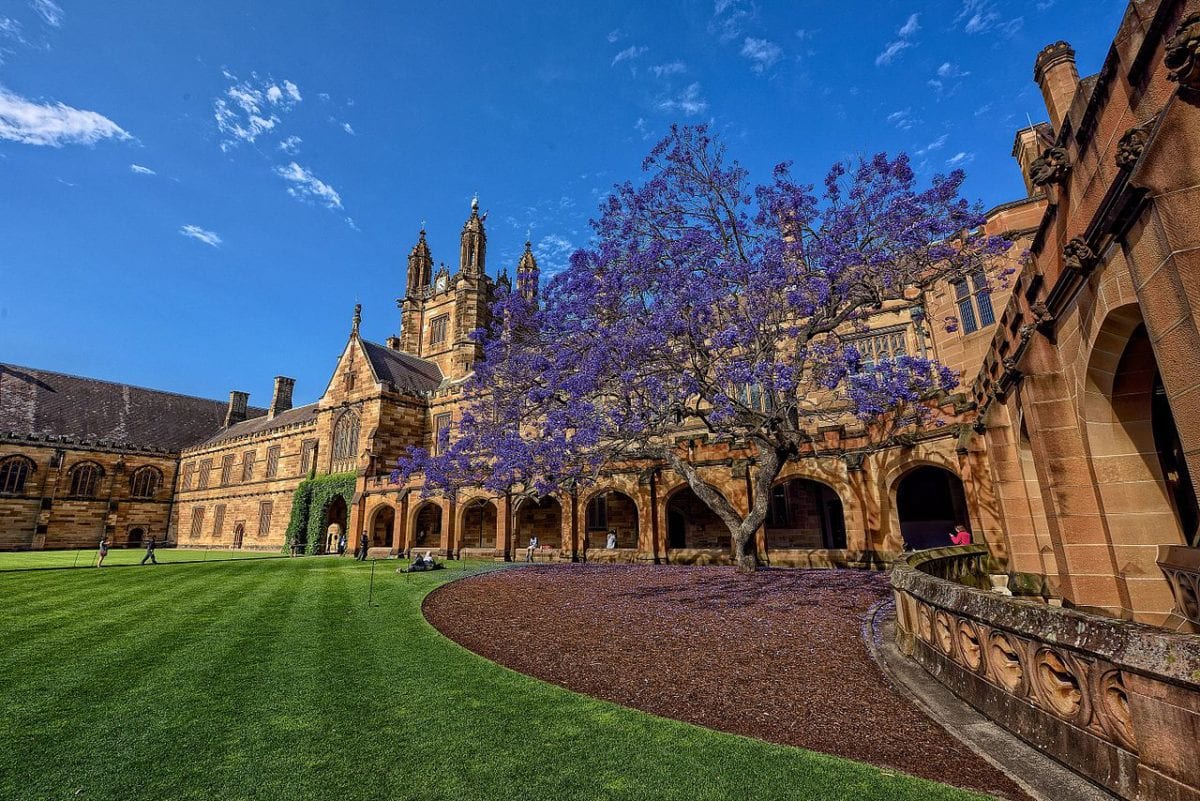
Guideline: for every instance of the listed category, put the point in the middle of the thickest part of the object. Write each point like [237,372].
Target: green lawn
[274,680]
[28,560]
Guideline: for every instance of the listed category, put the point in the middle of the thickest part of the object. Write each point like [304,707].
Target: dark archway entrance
[136,535]
[691,524]
[542,519]
[239,533]
[930,501]
[335,515]
[382,527]
[1174,463]
[805,514]
[427,527]
[612,517]
[478,525]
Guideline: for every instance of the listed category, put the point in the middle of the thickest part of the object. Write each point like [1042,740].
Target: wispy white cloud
[291,145]
[688,102]
[640,127]
[910,27]
[730,18]
[946,73]
[553,253]
[959,159]
[628,54]
[672,68]
[899,45]
[48,10]
[10,29]
[55,124]
[936,144]
[981,16]
[762,53]
[211,238]
[308,187]
[140,170]
[614,36]
[251,108]
[902,119]
[346,127]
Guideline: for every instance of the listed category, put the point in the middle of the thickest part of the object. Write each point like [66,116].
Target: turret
[1054,71]
[474,243]
[528,273]
[420,266]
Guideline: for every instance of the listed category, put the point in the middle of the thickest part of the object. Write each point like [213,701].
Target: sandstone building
[1072,453]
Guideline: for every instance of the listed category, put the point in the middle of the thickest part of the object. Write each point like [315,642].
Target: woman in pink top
[960,536]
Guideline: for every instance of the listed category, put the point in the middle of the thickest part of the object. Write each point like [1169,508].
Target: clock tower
[441,309]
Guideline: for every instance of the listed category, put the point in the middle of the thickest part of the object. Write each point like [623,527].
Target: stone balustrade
[1181,566]
[1118,702]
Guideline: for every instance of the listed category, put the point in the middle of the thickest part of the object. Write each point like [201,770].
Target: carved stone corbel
[1132,144]
[854,461]
[1079,256]
[1182,55]
[1052,167]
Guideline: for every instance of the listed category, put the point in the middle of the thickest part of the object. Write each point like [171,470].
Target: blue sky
[194,195]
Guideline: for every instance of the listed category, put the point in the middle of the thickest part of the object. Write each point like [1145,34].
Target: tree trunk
[768,463]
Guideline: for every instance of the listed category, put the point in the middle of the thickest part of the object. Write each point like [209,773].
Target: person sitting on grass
[103,551]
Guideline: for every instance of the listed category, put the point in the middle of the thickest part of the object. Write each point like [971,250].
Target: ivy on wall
[310,502]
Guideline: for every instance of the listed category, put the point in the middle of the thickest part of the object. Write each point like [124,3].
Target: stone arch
[929,500]
[1126,419]
[336,517]
[426,525]
[691,524]
[805,513]
[383,526]
[477,524]
[541,518]
[608,510]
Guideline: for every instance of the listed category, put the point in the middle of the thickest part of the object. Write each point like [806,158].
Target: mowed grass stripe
[275,680]
[87,699]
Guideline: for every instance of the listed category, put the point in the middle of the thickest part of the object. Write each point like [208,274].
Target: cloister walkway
[777,655]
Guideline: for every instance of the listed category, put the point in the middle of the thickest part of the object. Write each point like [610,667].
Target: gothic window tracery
[14,472]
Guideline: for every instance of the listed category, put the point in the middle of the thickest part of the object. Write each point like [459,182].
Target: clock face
[441,283]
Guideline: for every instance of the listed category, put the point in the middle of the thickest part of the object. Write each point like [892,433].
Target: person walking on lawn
[362,548]
[150,552]
[103,551]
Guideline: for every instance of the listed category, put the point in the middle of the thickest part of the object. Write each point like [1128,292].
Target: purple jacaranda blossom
[710,305]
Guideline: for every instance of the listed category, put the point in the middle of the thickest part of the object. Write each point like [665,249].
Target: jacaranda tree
[708,305]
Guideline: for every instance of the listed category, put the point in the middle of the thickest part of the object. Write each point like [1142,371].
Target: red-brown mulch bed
[777,655]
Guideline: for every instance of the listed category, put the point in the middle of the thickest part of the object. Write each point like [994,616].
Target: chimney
[236,412]
[393,342]
[281,399]
[1028,146]
[1054,71]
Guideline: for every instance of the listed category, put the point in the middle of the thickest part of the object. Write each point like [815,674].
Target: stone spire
[528,273]
[420,265]
[474,243]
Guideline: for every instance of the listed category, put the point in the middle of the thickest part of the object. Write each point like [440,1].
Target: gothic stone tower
[440,310]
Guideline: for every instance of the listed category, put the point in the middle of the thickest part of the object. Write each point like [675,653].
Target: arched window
[345,437]
[14,471]
[144,482]
[85,479]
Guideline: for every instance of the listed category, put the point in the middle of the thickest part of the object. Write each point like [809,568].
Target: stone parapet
[1116,701]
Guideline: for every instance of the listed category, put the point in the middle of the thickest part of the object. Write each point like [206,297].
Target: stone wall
[1116,701]
[46,515]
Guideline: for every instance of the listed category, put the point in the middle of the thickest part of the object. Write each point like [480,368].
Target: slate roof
[406,372]
[42,403]
[258,425]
